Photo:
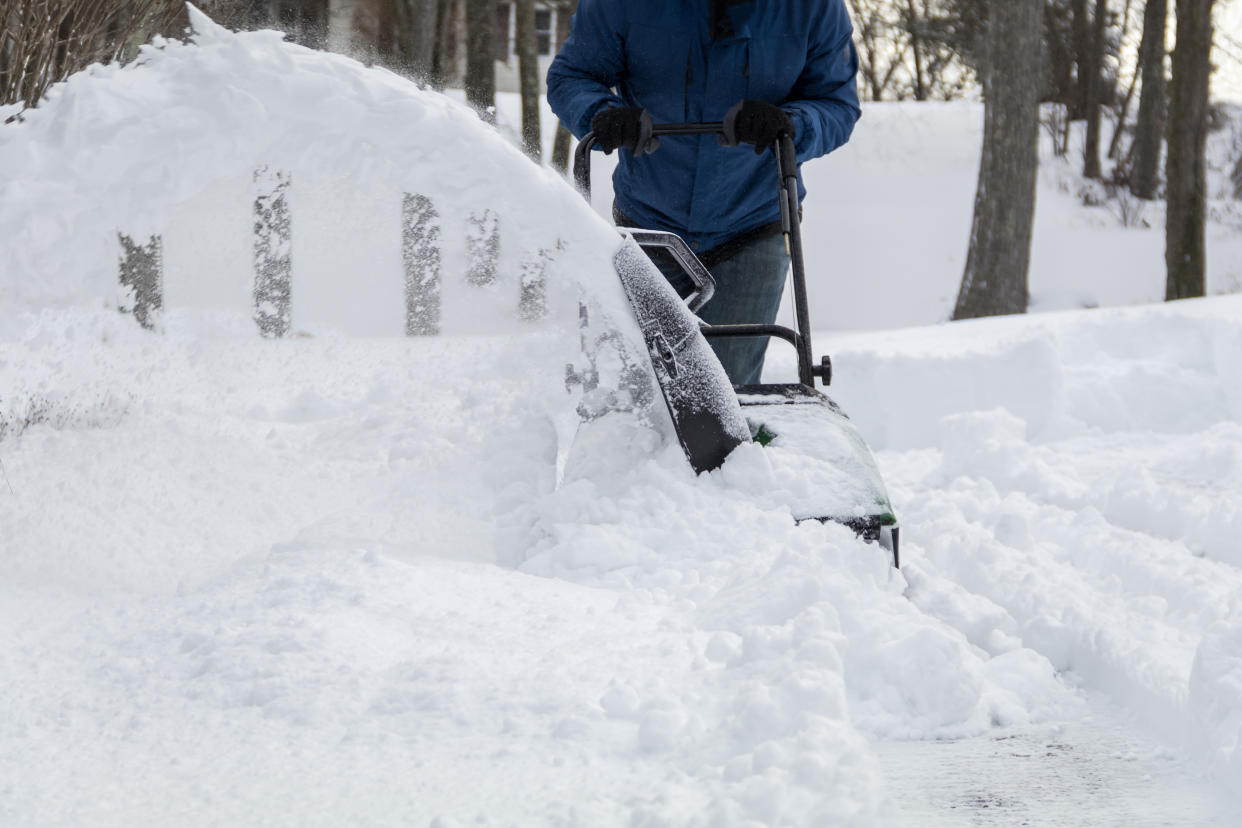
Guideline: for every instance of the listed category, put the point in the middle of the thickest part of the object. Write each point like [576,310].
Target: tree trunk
[1094,83]
[995,279]
[341,33]
[1082,60]
[561,144]
[528,78]
[1060,59]
[1119,124]
[913,25]
[480,58]
[416,36]
[1119,128]
[304,21]
[1149,131]
[64,33]
[1186,172]
[387,45]
[442,60]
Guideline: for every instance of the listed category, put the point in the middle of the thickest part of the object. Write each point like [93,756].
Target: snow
[887,218]
[1041,777]
[350,577]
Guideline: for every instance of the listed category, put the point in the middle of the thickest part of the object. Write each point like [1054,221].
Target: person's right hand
[755,122]
[627,127]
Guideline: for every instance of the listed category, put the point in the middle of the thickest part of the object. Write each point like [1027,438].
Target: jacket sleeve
[590,64]
[824,101]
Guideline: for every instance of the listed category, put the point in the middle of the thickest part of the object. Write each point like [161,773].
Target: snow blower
[708,418]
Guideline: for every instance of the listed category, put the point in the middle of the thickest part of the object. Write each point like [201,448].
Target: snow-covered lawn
[330,580]
[346,579]
[887,220]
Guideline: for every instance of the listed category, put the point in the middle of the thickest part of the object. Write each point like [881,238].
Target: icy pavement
[1099,771]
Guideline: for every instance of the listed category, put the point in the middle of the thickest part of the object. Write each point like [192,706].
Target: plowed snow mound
[170,145]
[345,580]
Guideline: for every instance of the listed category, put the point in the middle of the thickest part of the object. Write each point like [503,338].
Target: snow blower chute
[706,416]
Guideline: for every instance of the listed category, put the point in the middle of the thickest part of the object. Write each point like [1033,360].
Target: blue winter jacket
[659,54]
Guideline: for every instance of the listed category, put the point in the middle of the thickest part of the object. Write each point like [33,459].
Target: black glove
[755,122]
[624,126]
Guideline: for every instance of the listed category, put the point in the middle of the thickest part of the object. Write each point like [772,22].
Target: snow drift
[334,579]
[170,145]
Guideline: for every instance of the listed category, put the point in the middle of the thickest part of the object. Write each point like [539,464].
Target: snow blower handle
[782,147]
[674,245]
[787,193]
[791,227]
[582,155]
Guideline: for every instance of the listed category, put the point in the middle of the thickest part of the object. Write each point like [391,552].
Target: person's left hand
[756,122]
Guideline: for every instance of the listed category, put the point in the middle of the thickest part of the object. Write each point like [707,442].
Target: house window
[543,30]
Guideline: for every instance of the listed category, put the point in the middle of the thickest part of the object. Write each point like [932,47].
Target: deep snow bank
[307,580]
[1079,475]
[171,143]
[316,556]
[333,579]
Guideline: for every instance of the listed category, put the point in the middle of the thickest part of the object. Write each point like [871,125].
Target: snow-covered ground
[353,578]
[887,220]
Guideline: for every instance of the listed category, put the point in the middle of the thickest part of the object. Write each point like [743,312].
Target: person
[762,68]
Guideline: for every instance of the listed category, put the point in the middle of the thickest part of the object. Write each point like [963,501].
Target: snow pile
[1216,693]
[317,556]
[258,531]
[1079,476]
[357,580]
[171,144]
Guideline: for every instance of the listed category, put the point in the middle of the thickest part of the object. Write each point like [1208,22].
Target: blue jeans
[749,285]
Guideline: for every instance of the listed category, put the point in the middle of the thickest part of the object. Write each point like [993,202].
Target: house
[506,49]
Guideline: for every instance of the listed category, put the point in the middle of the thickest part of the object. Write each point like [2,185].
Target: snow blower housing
[794,416]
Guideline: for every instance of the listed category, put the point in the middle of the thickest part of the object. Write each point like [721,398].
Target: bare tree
[561,143]
[1186,169]
[995,278]
[914,48]
[376,21]
[1119,123]
[1149,130]
[45,41]
[446,44]
[480,58]
[402,35]
[1093,81]
[914,30]
[238,14]
[1123,112]
[303,21]
[880,53]
[528,77]
[416,35]
[1082,58]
